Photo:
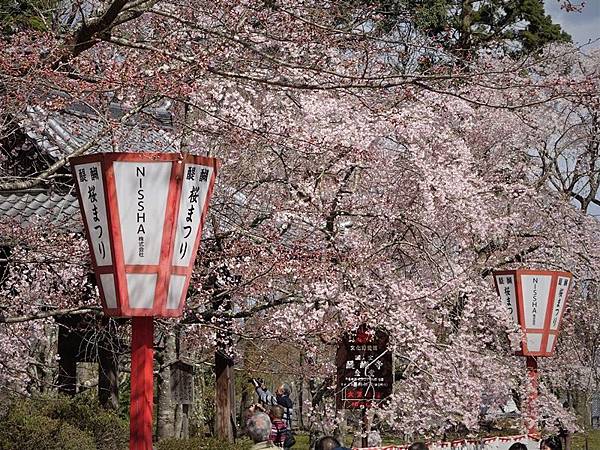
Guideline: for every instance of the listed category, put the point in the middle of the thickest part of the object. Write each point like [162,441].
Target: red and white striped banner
[492,443]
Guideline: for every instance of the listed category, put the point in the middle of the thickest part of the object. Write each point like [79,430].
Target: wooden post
[223,396]
[364,427]
[142,392]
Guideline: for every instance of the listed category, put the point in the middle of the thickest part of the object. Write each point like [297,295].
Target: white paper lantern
[536,299]
[143,215]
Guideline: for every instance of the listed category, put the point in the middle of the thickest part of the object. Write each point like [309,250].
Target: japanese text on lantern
[506,288]
[196,180]
[91,187]
[559,301]
[536,289]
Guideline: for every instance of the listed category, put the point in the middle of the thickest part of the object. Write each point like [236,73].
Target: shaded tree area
[465,27]
[20,15]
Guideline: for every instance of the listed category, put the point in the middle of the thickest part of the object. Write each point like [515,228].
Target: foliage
[18,15]
[350,192]
[202,444]
[592,437]
[61,423]
[466,27]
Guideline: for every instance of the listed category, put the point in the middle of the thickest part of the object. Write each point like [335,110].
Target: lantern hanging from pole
[143,214]
[536,300]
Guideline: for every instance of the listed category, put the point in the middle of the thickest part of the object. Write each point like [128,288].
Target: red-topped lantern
[143,215]
[536,299]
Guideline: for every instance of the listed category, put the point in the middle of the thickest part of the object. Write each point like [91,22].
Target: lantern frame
[165,268]
[547,331]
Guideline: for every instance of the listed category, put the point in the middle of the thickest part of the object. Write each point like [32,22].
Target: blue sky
[582,26]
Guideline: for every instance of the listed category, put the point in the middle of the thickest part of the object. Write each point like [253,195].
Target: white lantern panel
[140,288]
[536,290]
[196,180]
[534,342]
[551,339]
[91,186]
[108,286]
[176,285]
[506,288]
[142,190]
[560,297]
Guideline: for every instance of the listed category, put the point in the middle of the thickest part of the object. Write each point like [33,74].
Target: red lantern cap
[143,215]
[536,300]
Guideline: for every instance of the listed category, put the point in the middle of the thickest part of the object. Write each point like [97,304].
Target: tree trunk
[223,396]
[67,363]
[108,375]
[165,414]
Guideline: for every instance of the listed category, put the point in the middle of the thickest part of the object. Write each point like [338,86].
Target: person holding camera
[281,398]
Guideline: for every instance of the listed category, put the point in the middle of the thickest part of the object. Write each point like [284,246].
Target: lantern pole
[142,389]
[532,376]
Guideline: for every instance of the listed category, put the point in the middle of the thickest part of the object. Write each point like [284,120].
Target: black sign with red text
[364,369]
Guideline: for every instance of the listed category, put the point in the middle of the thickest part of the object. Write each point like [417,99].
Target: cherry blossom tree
[358,186]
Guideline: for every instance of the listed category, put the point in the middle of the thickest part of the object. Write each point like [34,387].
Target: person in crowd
[551,443]
[281,398]
[281,435]
[373,439]
[418,446]
[258,428]
[329,443]
[518,446]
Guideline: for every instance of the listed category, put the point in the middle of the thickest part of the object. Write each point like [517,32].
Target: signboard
[364,369]
[182,383]
[193,198]
[507,290]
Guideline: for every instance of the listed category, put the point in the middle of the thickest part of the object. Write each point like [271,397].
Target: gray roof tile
[61,132]
[31,208]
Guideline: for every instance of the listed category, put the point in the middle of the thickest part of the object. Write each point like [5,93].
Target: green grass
[593,440]
[301,442]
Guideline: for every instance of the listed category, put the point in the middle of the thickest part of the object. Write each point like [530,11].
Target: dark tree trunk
[108,377]
[68,346]
[223,396]
[109,349]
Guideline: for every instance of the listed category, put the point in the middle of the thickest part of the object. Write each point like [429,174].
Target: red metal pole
[142,391]
[532,375]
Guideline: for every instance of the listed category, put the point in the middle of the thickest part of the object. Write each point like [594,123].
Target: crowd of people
[269,424]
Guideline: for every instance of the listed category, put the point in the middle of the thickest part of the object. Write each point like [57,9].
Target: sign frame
[366,341]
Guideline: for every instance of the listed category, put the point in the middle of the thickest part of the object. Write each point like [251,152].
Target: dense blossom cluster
[351,192]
